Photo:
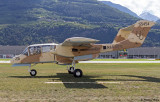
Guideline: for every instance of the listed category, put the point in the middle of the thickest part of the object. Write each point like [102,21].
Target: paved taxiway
[4,61]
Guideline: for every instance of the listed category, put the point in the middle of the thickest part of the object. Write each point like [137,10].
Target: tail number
[143,23]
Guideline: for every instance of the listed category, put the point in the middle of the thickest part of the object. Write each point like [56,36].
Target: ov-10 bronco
[77,49]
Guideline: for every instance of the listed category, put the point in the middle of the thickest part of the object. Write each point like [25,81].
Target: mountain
[40,21]
[149,16]
[158,21]
[83,11]
[121,8]
[25,22]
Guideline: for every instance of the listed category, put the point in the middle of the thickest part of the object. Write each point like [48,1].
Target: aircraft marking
[143,23]
[140,34]
[113,46]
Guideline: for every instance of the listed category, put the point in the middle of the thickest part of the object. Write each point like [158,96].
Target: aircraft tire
[33,72]
[71,70]
[78,73]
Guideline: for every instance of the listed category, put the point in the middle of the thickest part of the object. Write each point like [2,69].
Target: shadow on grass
[65,77]
[146,78]
[142,78]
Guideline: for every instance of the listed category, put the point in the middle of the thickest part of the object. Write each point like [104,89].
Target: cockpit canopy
[38,49]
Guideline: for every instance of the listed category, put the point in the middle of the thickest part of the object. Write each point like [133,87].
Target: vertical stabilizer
[130,37]
[134,35]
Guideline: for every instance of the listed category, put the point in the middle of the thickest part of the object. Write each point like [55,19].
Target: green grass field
[5,59]
[138,83]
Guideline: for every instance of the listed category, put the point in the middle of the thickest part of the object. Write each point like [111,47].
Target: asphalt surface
[4,61]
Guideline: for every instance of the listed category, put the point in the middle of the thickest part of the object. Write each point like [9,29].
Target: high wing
[79,41]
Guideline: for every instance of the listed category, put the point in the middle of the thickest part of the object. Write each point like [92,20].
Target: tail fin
[134,35]
[123,34]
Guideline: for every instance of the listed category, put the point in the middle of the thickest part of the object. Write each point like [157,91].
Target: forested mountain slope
[24,22]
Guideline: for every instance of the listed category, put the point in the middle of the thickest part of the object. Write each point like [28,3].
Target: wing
[79,41]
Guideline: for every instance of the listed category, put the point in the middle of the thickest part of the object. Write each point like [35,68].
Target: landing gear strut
[32,72]
[76,72]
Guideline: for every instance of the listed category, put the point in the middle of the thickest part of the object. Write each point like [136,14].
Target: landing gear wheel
[33,72]
[71,70]
[78,73]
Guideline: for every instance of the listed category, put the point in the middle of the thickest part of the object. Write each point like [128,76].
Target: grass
[5,59]
[139,82]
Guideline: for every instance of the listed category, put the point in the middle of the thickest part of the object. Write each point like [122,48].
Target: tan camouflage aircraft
[77,49]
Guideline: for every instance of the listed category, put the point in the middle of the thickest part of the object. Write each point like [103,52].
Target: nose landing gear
[32,72]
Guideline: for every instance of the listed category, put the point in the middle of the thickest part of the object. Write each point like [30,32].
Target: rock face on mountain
[120,7]
[158,21]
[149,16]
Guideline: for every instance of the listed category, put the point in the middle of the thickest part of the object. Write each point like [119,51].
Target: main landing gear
[76,72]
[32,72]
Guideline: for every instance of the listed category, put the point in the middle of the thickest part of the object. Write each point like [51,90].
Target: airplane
[76,49]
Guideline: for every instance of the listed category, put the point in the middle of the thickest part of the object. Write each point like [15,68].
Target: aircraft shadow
[142,78]
[145,78]
[65,77]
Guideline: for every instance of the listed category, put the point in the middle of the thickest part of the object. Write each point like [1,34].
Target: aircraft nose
[12,60]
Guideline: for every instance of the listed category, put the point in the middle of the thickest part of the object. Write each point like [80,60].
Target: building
[133,53]
[108,55]
[144,53]
[10,51]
